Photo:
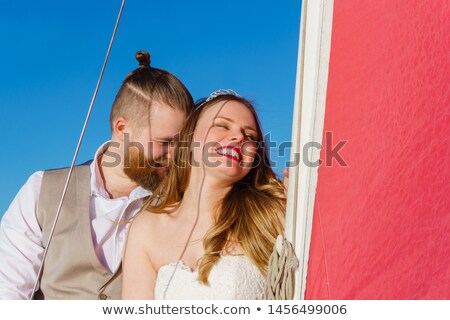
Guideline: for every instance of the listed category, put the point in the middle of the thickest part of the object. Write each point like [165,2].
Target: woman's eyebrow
[231,120]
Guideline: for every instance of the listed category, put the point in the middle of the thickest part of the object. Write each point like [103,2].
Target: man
[84,257]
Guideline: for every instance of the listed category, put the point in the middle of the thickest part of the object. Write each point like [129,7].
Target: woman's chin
[228,174]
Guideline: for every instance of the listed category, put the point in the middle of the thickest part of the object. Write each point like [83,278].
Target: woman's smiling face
[226,140]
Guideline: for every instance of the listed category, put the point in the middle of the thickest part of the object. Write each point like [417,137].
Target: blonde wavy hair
[249,215]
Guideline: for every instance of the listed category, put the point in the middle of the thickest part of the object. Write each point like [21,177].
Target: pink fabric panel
[381,227]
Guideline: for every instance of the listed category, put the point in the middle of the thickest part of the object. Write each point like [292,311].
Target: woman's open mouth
[230,152]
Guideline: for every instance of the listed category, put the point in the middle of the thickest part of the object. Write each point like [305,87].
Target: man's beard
[147,173]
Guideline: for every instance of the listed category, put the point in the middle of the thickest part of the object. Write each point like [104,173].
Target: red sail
[381,226]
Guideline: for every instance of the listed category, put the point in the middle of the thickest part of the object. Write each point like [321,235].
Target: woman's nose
[238,136]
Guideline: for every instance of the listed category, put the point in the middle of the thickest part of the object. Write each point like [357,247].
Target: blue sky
[52,51]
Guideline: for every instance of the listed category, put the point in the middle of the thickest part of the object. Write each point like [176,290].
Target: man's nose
[170,151]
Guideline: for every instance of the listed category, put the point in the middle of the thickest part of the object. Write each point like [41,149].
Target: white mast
[307,127]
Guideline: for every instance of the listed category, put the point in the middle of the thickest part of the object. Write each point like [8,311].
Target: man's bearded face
[139,168]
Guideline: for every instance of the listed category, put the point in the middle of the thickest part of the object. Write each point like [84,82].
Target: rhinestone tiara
[222,92]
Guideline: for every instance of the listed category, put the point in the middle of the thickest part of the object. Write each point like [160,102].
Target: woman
[219,211]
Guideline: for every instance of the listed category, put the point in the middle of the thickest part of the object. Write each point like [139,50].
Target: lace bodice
[233,277]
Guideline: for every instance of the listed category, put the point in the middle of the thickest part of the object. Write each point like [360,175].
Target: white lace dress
[233,277]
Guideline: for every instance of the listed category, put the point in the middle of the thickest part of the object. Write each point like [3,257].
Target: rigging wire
[180,259]
[323,248]
[38,276]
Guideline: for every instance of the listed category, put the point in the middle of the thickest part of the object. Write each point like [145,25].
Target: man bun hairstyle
[145,85]
[143,57]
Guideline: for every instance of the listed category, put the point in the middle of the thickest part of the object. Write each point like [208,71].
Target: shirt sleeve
[21,247]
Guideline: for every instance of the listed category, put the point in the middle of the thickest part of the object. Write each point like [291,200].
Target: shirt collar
[97,184]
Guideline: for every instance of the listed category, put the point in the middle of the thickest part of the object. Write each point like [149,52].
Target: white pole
[307,127]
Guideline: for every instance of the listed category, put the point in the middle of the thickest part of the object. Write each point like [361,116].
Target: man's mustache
[159,163]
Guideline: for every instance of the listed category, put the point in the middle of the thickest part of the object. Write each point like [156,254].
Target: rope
[58,211]
[280,282]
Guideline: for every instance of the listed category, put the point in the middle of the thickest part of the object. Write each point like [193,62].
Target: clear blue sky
[52,51]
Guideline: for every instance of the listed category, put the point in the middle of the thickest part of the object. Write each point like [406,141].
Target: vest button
[103,296]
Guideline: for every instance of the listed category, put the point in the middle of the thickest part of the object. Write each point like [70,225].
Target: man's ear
[120,127]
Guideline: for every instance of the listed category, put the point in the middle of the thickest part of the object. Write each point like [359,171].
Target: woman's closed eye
[250,137]
[220,125]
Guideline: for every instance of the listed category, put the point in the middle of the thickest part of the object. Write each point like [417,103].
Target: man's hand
[286,180]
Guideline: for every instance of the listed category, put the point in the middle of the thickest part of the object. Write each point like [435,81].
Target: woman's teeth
[230,152]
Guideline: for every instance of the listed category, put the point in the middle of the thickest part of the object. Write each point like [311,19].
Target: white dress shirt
[21,247]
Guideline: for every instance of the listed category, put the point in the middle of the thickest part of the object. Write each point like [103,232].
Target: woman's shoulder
[150,216]
[148,224]
[140,224]
[143,217]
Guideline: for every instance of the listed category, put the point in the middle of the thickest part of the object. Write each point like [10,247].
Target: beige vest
[72,269]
